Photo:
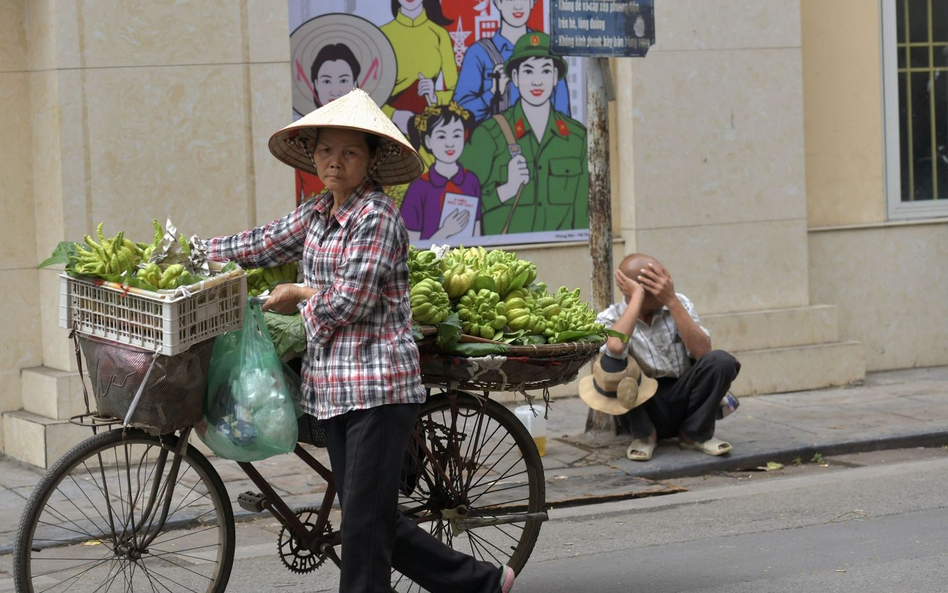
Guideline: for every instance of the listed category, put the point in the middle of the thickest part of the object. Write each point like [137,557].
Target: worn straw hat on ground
[356,110]
[616,386]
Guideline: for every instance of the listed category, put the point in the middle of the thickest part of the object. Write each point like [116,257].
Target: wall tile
[734,267]
[46,161]
[13,44]
[17,239]
[717,138]
[268,31]
[271,109]
[845,170]
[40,34]
[726,24]
[20,320]
[173,145]
[888,286]
[57,349]
[148,33]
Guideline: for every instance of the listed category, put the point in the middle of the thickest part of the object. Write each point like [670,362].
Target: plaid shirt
[360,350]
[657,348]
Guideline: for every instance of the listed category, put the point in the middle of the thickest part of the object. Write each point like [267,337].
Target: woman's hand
[285,297]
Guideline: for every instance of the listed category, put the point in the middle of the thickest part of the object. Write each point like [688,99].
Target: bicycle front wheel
[122,511]
[473,477]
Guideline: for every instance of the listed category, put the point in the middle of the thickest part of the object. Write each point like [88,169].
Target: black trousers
[687,404]
[367,451]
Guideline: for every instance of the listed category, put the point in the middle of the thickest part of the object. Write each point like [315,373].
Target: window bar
[908,105]
[931,100]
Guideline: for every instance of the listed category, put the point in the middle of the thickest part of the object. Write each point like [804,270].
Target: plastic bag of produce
[249,411]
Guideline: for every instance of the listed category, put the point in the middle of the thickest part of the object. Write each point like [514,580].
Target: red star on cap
[535,40]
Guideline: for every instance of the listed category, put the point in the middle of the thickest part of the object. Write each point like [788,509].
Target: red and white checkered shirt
[360,350]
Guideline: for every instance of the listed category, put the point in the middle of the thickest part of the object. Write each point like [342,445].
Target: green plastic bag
[249,410]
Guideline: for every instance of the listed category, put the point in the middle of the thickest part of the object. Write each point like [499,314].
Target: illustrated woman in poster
[531,159]
[335,72]
[442,130]
[483,86]
[332,54]
[424,52]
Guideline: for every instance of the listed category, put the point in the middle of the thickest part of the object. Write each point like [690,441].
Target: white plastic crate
[156,321]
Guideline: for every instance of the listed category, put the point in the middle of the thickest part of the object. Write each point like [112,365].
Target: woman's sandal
[711,446]
[641,449]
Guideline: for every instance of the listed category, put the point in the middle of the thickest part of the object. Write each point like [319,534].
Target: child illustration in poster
[424,52]
[483,85]
[531,159]
[445,201]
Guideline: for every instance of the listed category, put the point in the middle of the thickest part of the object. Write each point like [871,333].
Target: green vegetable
[287,332]
[429,302]
[482,313]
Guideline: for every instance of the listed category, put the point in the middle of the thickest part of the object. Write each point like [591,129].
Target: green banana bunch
[482,313]
[429,302]
[260,280]
[108,257]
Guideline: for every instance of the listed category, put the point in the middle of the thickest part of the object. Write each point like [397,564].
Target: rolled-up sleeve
[265,246]
[367,262]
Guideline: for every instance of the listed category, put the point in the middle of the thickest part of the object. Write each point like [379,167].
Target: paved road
[867,523]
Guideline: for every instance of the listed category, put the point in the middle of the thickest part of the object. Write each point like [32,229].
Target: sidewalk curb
[806,452]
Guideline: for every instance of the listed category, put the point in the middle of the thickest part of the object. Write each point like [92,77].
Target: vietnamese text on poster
[497,117]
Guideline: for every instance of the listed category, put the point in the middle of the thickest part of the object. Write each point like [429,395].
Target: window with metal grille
[915,74]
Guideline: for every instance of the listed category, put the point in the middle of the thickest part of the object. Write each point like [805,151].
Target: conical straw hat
[354,111]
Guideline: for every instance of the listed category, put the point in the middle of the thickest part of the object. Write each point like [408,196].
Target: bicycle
[159,510]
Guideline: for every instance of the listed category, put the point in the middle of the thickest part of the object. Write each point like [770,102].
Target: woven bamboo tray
[521,368]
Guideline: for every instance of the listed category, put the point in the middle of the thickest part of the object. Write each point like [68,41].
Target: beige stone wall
[19,315]
[123,113]
[842,98]
[712,170]
[890,289]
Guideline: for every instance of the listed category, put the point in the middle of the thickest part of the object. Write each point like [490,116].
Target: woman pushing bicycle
[361,371]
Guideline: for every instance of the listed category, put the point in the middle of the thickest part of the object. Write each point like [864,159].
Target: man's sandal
[640,449]
[711,446]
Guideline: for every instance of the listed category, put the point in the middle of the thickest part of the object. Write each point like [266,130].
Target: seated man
[669,345]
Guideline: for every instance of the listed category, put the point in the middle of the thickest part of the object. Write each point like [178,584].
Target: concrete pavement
[893,409]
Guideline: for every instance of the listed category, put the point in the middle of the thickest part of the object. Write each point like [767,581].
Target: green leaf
[484,282]
[449,331]
[287,332]
[479,349]
[518,280]
[229,267]
[61,255]
[576,336]
[611,333]
[416,332]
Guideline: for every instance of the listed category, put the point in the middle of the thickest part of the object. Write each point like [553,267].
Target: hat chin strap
[391,150]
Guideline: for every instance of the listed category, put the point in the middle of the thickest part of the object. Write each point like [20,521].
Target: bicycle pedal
[252,501]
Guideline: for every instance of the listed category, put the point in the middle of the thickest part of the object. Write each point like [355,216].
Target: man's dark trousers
[367,451]
[687,404]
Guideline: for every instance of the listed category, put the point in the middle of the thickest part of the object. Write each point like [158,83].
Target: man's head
[514,12]
[632,266]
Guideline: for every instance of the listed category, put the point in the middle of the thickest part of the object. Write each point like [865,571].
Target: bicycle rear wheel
[94,522]
[473,477]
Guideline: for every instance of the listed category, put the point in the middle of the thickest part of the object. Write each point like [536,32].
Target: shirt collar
[419,20]
[501,42]
[345,211]
[439,180]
